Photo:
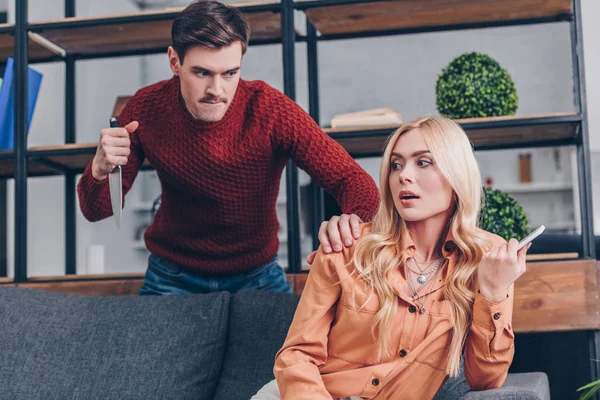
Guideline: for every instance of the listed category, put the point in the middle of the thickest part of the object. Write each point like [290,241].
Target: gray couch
[217,346]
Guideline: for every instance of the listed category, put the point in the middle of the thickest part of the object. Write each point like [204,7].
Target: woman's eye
[423,163]
[396,166]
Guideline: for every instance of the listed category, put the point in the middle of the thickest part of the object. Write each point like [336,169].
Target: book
[7,102]
[373,117]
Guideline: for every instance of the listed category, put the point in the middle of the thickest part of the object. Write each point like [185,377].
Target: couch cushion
[259,322]
[60,346]
[454,388]
[523,386]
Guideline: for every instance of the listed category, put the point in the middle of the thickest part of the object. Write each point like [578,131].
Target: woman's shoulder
[338,263]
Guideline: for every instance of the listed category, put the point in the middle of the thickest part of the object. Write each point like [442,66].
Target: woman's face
[419,191]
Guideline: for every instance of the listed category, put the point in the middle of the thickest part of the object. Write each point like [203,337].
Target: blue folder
[7,102]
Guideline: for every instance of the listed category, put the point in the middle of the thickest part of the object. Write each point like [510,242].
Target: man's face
[209,79]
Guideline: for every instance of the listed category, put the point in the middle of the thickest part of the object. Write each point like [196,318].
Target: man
[219,145]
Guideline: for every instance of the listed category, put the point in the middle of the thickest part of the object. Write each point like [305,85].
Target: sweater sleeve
[94,196]
[324,159]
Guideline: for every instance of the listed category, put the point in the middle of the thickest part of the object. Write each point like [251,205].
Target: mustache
[213,99]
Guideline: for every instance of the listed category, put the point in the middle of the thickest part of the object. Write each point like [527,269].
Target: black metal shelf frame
[288,39]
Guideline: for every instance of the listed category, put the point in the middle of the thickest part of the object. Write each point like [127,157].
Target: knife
[115,185]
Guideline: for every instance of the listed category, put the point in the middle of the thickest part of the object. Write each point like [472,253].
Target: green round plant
[475,85]
[502,215]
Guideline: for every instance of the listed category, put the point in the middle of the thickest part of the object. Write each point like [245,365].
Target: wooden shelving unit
[149,32]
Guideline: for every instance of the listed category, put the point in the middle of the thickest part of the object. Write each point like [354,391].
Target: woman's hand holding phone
[502,266]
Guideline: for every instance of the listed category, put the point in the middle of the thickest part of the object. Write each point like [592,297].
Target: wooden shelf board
[552,256]
[77,158]
[415,14]
[557,296]
[130,32]
[35,50]
[489,131]
[520,129]
[74,157]
[7,169]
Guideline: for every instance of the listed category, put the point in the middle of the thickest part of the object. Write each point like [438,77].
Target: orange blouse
[330,352]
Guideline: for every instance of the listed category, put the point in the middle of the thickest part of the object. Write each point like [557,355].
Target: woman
[391,316]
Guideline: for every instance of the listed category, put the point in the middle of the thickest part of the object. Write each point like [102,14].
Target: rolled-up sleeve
[489,349]
[304,351]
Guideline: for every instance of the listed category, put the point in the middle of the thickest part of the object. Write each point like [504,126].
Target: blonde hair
[381,251]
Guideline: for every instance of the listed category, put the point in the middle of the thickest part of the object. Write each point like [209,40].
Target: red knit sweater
[220,180]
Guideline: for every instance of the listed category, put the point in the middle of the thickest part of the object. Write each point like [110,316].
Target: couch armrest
[525,386]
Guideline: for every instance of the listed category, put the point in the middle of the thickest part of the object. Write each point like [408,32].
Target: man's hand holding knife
[113,149]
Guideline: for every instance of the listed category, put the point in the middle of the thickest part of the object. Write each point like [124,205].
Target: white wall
[397,72]
[591,34]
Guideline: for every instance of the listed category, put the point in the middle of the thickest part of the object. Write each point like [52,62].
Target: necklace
[422,274]
[416,298]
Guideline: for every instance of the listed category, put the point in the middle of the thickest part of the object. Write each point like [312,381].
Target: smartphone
[531,236]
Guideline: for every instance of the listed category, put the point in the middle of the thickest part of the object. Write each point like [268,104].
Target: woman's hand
[499,269]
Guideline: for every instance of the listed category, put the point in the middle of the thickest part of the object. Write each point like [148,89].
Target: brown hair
[211,24]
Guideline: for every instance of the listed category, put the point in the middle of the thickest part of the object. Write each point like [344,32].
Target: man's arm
[325,160]
[114,148]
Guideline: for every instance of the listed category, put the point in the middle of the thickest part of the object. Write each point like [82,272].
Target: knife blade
[115,186]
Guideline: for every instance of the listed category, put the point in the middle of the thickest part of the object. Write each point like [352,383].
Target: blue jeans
[165,277]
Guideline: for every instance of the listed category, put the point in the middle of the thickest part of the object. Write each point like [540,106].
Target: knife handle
[115,124]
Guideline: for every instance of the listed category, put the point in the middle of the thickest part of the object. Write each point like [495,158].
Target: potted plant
[475,85]
[589,390]
[503,215]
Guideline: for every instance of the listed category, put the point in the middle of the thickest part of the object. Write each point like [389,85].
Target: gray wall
[396,72]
